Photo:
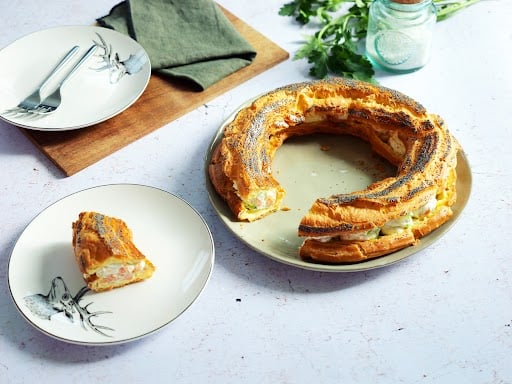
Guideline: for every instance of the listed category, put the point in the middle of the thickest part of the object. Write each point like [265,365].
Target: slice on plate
[106,254]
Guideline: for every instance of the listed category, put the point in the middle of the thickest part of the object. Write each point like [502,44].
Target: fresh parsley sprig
[336,47]
[446,8]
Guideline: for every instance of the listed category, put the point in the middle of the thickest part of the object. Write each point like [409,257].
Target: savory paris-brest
[105,252]
[388,215]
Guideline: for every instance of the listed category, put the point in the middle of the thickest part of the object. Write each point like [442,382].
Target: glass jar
[399,34]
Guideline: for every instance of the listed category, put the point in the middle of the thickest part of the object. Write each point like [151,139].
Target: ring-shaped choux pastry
[389,214]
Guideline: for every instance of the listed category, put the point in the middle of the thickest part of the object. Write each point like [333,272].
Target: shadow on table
[237,258]
[26,339]
[17,332]
[14,143]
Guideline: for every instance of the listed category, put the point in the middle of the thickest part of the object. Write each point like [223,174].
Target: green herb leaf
[333,49]
[347,63]
[317,54]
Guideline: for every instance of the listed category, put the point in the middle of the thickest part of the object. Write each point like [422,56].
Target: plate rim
[374,263]
[76,341]
[90,123]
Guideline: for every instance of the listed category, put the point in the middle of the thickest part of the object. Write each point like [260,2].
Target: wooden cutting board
[163,101]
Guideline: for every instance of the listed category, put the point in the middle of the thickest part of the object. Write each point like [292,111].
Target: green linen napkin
[189,39]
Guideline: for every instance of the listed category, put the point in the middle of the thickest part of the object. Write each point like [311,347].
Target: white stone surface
[441,316]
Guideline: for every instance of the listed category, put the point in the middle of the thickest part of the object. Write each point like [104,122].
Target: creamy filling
[119,272]
[262,199]
[397,225]
[425,209]
[394,226]
[396,144]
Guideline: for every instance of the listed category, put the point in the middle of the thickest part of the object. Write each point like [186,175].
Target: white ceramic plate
[318,165]
[171,234]
[91,95]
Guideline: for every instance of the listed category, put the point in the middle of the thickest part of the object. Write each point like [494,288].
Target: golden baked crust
[337,251]
[346,227]
[105,252]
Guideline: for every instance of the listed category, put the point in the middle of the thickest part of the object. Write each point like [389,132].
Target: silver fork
[52,102]
[34,99]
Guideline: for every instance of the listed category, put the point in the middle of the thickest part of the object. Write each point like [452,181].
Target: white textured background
[442,316]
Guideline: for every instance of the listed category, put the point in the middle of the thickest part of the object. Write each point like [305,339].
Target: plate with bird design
[46,283]
[107,83]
